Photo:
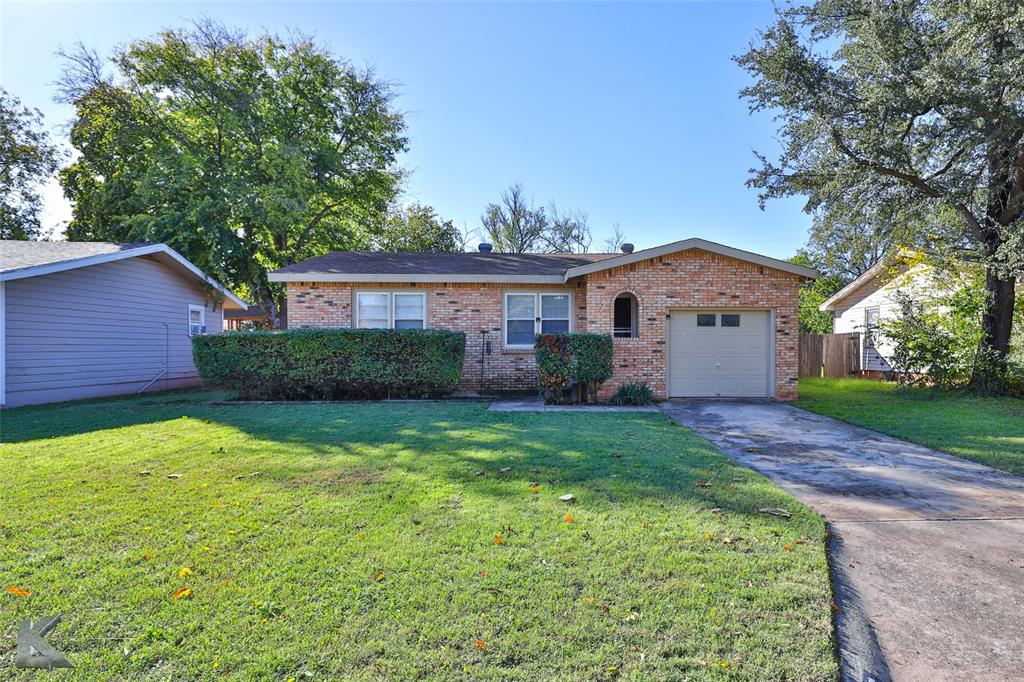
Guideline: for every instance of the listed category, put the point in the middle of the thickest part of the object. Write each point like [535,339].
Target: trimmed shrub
[633,393]
[581,358]
[332,364]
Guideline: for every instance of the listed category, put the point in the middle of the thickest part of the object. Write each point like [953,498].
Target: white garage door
[723,353]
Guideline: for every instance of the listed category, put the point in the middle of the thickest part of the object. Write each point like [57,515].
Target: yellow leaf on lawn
[646,525]
[724,664]
[412,501]
[569,518]
[183,593]
[480,644]
[205,548]
[379,577]
[535,489]
[788,548]
[148,556]
[218,504]
[185,571]
[498,540]
[232,532]
[484,573]
[18,591]
[361,536]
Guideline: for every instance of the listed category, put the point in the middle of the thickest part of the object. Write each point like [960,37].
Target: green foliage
[812,294]
[633,393]
[243,153]
[326,364]
[925,347]
[27,158]
[901,124]
[418,228]
[554,363]
[581,358]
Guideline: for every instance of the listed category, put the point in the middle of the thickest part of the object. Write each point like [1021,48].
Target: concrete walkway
[927,549]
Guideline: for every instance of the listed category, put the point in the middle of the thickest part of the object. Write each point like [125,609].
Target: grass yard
[385,542]
[984,429]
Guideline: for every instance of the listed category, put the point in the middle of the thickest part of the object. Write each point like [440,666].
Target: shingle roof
[473,263]
[17,254]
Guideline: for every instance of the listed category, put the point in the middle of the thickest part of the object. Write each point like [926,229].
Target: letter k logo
[32,651]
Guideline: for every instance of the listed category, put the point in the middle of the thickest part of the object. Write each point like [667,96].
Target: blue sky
[627,111]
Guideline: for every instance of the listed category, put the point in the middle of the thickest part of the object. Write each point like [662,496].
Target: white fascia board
[703,245]
[147,250]
[419,278]
[868,275]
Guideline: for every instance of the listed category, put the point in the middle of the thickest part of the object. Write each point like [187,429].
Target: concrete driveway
[927,550]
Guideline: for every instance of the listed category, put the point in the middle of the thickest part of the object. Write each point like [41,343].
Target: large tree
[915,105]
[245,154]
[515,225]
[27,159]
[417,227]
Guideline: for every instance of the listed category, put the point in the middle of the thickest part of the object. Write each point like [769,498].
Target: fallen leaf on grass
[205,549]
[18,591]
[241,476]
[379,578]
[775,511]
[360,536]
[788,548]
[569,518]
[185,571]
[145,472]
[646,525]
[568,497]
[504,470]
[535,489]
[148,556]
[703,484]
[480,644]
[183,593]
[498,540]
[175,475]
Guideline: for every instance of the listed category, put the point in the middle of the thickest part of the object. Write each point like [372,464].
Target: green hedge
[582,358]
[331,364]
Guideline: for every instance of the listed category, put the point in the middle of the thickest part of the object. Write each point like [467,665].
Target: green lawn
[365,546]
[984,429]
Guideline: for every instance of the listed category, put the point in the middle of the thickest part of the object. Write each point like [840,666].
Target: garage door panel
[719,361]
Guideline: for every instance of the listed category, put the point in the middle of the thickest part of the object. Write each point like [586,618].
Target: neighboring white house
[88,319]
[870,299]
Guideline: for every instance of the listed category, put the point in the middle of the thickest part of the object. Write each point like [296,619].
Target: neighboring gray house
[88,319]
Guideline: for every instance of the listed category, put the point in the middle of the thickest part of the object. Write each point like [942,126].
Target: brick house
[692,318]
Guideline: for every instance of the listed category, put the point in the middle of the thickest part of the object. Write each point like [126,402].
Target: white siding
[100,330]
[850,312]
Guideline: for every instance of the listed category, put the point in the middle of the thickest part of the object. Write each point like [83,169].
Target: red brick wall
[688,279]
[691,279]
[468,308]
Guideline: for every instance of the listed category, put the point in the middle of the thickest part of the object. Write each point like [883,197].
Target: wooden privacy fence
[830,355]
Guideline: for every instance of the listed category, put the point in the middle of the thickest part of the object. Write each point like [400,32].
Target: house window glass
[409,311]
[554,313]
[705,320]
[870,326]
[527,315]
[372,310]
[520,319]
[624,316]
[391,310]
[196,320]
[730,320]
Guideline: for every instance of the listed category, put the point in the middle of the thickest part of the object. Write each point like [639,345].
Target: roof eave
[410,278]
[684,245]
[149,249]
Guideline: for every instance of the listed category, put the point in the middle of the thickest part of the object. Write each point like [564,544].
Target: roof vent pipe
[485,247]
[627,248]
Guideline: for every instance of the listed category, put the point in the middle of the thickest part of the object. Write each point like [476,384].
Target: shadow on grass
[611,456]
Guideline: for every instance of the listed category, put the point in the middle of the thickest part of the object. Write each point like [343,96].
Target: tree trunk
[997,318]
[278,310]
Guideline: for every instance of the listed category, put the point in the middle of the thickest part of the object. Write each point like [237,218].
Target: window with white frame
[196,320]
[391,310]
[529,314]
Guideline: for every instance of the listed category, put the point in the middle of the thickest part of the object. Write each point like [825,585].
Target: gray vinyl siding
[99,330]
